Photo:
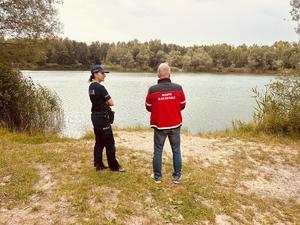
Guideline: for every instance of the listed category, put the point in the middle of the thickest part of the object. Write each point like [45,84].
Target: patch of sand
[41,209]
[225,220]
[278,181]
[209,151]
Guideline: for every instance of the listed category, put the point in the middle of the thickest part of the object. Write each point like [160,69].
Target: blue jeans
[159,141]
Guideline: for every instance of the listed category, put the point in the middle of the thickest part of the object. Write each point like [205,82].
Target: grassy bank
[52,181]
[248,133]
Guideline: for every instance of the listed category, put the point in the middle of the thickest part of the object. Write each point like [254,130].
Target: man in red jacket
[165,101]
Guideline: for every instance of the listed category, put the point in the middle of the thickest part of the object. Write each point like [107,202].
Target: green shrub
[25,106]
[278,108]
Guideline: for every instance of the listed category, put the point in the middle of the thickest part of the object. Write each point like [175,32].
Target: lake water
[213,101]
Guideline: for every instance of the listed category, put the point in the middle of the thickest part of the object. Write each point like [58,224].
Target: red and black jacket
[165,101]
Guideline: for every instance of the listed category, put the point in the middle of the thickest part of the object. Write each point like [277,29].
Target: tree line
[136,56]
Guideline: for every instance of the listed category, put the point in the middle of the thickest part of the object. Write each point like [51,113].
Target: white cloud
[185,22]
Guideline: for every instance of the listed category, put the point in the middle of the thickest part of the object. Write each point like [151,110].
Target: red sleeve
[148,102]
[182,100]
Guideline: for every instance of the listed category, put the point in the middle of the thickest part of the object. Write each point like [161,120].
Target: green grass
[25,138]
[113,198]
[248,132]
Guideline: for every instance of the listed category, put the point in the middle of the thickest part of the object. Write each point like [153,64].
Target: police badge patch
[92,92]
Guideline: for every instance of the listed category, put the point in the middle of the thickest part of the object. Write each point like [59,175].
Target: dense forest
[137,56]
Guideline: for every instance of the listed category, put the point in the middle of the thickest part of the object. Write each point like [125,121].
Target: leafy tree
[98,52]
[95,53]
[160,57]
[175,58]
[201,61]
[126,58]
[143,57]
[113,56]
[270,60]
[157,55]
[29,18]
[294,58]
[255,57]
[220,55]
[239,57]
[82,53]
[134,47]
[296,13]
[187,60]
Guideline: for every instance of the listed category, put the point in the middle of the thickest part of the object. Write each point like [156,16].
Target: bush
[25,106]
[278,108]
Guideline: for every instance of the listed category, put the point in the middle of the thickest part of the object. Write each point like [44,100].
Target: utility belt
[108,115]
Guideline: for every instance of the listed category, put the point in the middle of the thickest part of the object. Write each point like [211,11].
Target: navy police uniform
[102,127]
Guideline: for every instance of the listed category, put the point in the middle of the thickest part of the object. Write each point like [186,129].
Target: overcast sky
[184,22]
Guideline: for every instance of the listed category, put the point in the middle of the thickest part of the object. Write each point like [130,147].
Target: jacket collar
[164,80]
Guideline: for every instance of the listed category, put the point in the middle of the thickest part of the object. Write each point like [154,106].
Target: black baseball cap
[98,68]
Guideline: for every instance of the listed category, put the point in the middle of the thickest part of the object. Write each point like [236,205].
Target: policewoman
[102,117]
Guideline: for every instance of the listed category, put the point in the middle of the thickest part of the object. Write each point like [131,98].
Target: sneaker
[176,180]
[120,169]
[99,168]
[157,181]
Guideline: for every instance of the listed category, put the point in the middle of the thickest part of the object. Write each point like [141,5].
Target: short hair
[164,70]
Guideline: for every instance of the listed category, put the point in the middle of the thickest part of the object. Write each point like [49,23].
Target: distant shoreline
[174,70]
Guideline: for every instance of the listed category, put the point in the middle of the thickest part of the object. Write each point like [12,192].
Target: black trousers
[104,138]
